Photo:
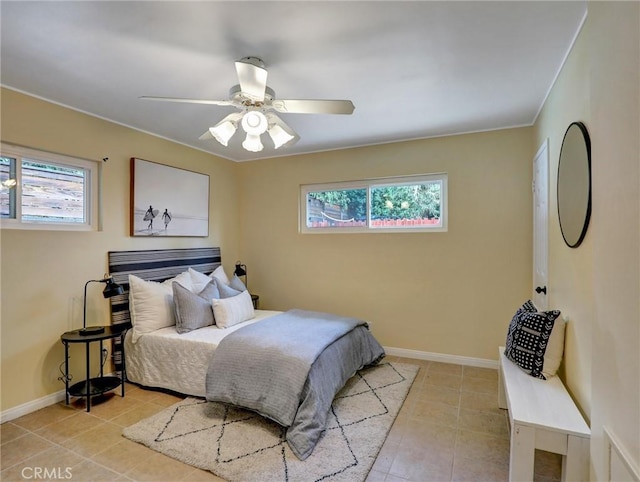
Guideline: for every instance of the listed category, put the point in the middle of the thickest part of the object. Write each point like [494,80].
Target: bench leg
[523,448]
[502,399]
[575,464]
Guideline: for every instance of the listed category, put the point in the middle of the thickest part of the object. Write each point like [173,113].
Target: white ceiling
[413,69]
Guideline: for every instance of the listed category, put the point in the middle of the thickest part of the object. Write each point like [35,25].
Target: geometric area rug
[242,446]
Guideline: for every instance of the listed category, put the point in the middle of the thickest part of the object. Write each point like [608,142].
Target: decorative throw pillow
[183,278]
[234,310]
[198,280]
[210,291]
[237,284]
[526,306]
[150,305]
[528,338]
[226,291]
[193,311]
[219,274]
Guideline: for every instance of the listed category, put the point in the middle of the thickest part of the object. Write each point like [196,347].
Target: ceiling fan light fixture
[226,128]
[281,134]
[254,123]
[252,143]
[224,132]
[256,100]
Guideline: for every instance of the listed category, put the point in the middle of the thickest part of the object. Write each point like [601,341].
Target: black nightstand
[256,300]
[91,386]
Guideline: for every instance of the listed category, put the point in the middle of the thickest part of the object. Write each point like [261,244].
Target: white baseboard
[441,357]
[32,406]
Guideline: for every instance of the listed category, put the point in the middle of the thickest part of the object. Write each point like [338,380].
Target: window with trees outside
[408,204]
[41,190]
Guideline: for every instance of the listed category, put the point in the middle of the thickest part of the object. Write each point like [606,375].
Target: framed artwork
[168,201]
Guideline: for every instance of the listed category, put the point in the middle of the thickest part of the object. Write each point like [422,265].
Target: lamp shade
[226,128]
[255,123]
[252,143]
[112,289]
[241,269]
[281,134]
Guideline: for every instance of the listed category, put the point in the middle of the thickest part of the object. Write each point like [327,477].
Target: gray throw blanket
[276,367]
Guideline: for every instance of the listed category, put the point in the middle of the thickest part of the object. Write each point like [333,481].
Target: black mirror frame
[587,217]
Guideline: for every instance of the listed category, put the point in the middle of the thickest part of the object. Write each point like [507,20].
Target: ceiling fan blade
[252,76]
[313,106]
[189,101]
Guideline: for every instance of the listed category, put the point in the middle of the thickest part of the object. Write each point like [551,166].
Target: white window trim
[92,198]
[305,189]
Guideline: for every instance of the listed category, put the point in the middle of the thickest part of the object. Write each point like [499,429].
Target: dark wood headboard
[152,265]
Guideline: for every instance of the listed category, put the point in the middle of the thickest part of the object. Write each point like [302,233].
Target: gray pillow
[237,284]
[226,291]
[193,311]
[210,292]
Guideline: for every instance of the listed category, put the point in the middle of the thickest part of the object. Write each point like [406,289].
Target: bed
[286,366]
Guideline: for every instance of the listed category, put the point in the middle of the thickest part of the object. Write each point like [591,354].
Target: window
[413,203]
[40,190]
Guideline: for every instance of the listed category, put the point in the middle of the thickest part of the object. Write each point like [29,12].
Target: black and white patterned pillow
[526,306]
[528,337]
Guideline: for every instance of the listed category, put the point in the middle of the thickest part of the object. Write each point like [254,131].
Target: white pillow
[150,305]
[198,280]
[183,278]
[234,310]
[220,275]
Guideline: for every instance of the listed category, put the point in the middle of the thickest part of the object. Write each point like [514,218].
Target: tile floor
[449,429]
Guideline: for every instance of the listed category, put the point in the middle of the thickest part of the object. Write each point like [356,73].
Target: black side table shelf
[91,386]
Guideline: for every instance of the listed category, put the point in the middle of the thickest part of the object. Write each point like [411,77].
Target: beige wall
[409,285]
[452,293]
[615,118]
[43,272]
[570,283]
[598,284]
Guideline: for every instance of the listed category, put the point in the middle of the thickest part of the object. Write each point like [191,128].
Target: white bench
[542,416]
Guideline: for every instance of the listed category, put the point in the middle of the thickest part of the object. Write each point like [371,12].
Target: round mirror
[574,184]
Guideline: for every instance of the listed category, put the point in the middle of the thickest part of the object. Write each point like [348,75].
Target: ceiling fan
[257,102]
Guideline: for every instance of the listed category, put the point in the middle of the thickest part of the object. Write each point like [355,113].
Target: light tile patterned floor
[449,429]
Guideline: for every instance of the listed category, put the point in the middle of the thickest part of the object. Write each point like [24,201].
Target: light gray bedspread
[289,368]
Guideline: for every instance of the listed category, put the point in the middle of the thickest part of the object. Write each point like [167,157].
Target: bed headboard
[152,265]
